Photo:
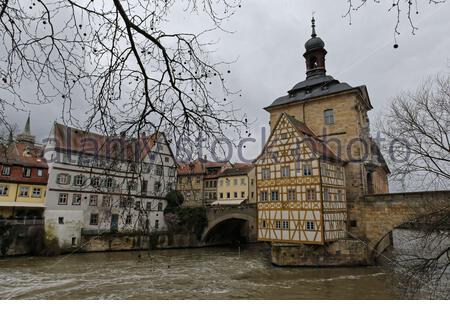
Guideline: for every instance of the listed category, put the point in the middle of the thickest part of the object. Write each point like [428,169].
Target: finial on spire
[313,25]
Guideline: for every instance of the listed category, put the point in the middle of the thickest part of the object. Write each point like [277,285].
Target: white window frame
[92,202]
[328,116]
[62,178]
[307,169]
[95,182]
[264,196]
[24,192]
[76,196]
[292,195]
[61,197]
[285,172]
[76,180]
[310,226]
[36,193]
[109,183]
[93,219]
[274,195]
[159,170]
[312,192]
[265,173]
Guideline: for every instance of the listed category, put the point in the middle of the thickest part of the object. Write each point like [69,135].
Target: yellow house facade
[237,185]
[23,177]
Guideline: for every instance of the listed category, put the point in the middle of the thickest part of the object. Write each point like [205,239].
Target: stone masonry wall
[374,216]
[346,252]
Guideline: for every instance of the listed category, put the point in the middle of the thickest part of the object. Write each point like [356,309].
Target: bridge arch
[231,227]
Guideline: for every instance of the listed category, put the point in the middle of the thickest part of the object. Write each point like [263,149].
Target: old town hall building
[319,159]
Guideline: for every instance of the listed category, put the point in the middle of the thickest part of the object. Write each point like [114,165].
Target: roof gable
[300,137]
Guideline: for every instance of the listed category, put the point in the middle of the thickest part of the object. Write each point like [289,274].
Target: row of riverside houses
[83,182]
[205,183]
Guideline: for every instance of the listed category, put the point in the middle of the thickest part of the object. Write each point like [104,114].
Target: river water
[206,273]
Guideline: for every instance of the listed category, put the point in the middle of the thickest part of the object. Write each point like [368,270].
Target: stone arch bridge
[230,224]
[376,216]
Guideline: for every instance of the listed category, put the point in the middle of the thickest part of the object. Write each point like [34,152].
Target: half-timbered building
[300,186]
[306,200]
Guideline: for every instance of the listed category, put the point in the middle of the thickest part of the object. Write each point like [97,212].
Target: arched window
[313,62]
[328,116]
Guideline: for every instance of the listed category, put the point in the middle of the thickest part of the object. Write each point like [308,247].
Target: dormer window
[6,171]
[329,116]
[27,172]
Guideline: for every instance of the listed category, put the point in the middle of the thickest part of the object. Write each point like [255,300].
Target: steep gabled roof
[90,143]
[238,169]
[318,146]
[24,154]
[200,167]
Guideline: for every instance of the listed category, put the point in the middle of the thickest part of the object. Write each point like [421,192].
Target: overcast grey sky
[268,42]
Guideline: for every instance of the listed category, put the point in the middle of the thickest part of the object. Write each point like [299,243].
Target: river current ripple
[206,273]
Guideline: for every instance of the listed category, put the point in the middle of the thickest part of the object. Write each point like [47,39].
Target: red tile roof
[200,167]
[23,154]
[76,140]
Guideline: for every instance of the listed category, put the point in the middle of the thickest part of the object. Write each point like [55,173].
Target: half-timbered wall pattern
[301,198]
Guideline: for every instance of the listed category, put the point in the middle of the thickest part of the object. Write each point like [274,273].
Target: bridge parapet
[375,216]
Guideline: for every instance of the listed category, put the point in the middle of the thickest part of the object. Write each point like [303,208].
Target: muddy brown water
[206,273]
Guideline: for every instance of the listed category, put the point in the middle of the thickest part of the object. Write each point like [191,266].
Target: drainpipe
[15,200]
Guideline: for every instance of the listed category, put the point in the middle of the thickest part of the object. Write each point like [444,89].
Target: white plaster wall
[78,217]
